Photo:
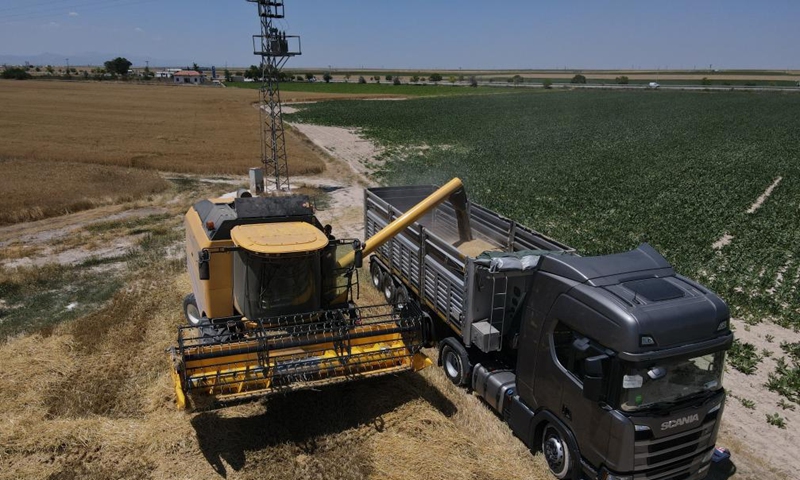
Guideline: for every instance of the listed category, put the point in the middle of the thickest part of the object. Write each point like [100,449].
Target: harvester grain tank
[271,308]
[611,365]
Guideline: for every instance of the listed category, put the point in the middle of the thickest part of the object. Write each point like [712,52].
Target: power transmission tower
[275,48]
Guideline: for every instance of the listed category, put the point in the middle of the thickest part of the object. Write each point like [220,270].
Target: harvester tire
[192,313]
[376,272]
[388,287]
[454,360]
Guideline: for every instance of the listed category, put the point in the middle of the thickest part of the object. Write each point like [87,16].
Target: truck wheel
[376,272]
[455,361]
[388,287]
[401,296]
[557,453]
[192,313]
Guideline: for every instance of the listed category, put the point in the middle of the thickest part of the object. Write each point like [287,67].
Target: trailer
[611,365]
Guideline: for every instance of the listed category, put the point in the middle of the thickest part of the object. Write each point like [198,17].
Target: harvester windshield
[277,285]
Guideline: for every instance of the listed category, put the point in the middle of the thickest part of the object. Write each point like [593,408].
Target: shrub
[578,79]
[776,420]
[396,81]
[388,78]
[622,80]
[705,81]
[16,73]
[785,380]
[415,79]
[435,77]
[547,83]
[473,82]
[327,77]
[743,357]
[361,79]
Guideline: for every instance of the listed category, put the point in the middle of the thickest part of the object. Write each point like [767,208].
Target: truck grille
[676,457]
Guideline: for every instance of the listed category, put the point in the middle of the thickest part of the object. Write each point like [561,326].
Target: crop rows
[605,171]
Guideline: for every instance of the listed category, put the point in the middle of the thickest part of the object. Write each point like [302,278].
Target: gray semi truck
[610,365]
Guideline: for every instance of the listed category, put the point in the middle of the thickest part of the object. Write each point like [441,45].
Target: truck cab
[619,369]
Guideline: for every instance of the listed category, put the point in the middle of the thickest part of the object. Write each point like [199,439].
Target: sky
[417,34]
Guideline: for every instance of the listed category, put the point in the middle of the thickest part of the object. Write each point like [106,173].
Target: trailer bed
[450,274]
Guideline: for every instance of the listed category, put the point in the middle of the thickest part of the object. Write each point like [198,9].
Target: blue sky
[422,34]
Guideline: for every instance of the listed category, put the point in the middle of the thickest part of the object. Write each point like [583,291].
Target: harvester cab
[272,310]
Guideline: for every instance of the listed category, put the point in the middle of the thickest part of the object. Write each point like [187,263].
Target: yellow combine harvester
[272,306]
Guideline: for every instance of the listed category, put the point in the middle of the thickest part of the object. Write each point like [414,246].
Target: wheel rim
[555,452]
[452,364]
[387,290]
[401,299]
[376,276]
[193,314]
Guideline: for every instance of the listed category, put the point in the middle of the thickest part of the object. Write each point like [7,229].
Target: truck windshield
[650,385]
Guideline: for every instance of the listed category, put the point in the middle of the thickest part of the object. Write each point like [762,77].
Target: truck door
[588,421]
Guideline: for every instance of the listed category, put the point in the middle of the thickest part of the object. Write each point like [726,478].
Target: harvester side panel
[214,295]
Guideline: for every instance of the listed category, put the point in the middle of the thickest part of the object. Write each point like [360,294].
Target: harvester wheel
[388,287]
[191,311]
[376,272]
[455,361]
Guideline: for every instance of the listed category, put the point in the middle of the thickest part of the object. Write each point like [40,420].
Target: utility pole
[275,48]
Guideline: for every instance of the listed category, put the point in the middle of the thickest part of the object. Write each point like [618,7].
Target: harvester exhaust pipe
[403,221]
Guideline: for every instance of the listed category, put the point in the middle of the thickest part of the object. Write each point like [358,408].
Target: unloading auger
[271,308]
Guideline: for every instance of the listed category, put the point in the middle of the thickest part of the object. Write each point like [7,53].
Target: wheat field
[171,128]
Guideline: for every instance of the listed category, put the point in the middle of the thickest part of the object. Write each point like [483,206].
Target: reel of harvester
[235,359]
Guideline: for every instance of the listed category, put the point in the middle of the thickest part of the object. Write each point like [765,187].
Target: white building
[189,77]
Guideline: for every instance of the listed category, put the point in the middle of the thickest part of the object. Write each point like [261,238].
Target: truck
[610,365]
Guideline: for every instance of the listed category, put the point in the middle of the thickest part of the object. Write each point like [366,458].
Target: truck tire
[401,296]
[388,287]
[376,272]
[192,313]
[454,360]
[558,454]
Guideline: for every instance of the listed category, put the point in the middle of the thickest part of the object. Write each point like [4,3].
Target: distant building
[163,74]
[189,77]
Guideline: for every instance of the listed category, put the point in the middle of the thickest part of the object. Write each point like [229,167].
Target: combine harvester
[271,309]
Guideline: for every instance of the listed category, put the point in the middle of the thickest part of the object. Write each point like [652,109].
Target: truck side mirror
[593,377]
[359,260]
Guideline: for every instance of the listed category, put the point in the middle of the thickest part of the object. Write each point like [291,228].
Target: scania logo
[680,421]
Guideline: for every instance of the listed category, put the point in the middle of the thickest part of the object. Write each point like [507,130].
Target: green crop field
[386,88]
[605,171]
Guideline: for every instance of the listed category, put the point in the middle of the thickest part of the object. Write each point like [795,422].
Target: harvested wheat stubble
[93,398]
